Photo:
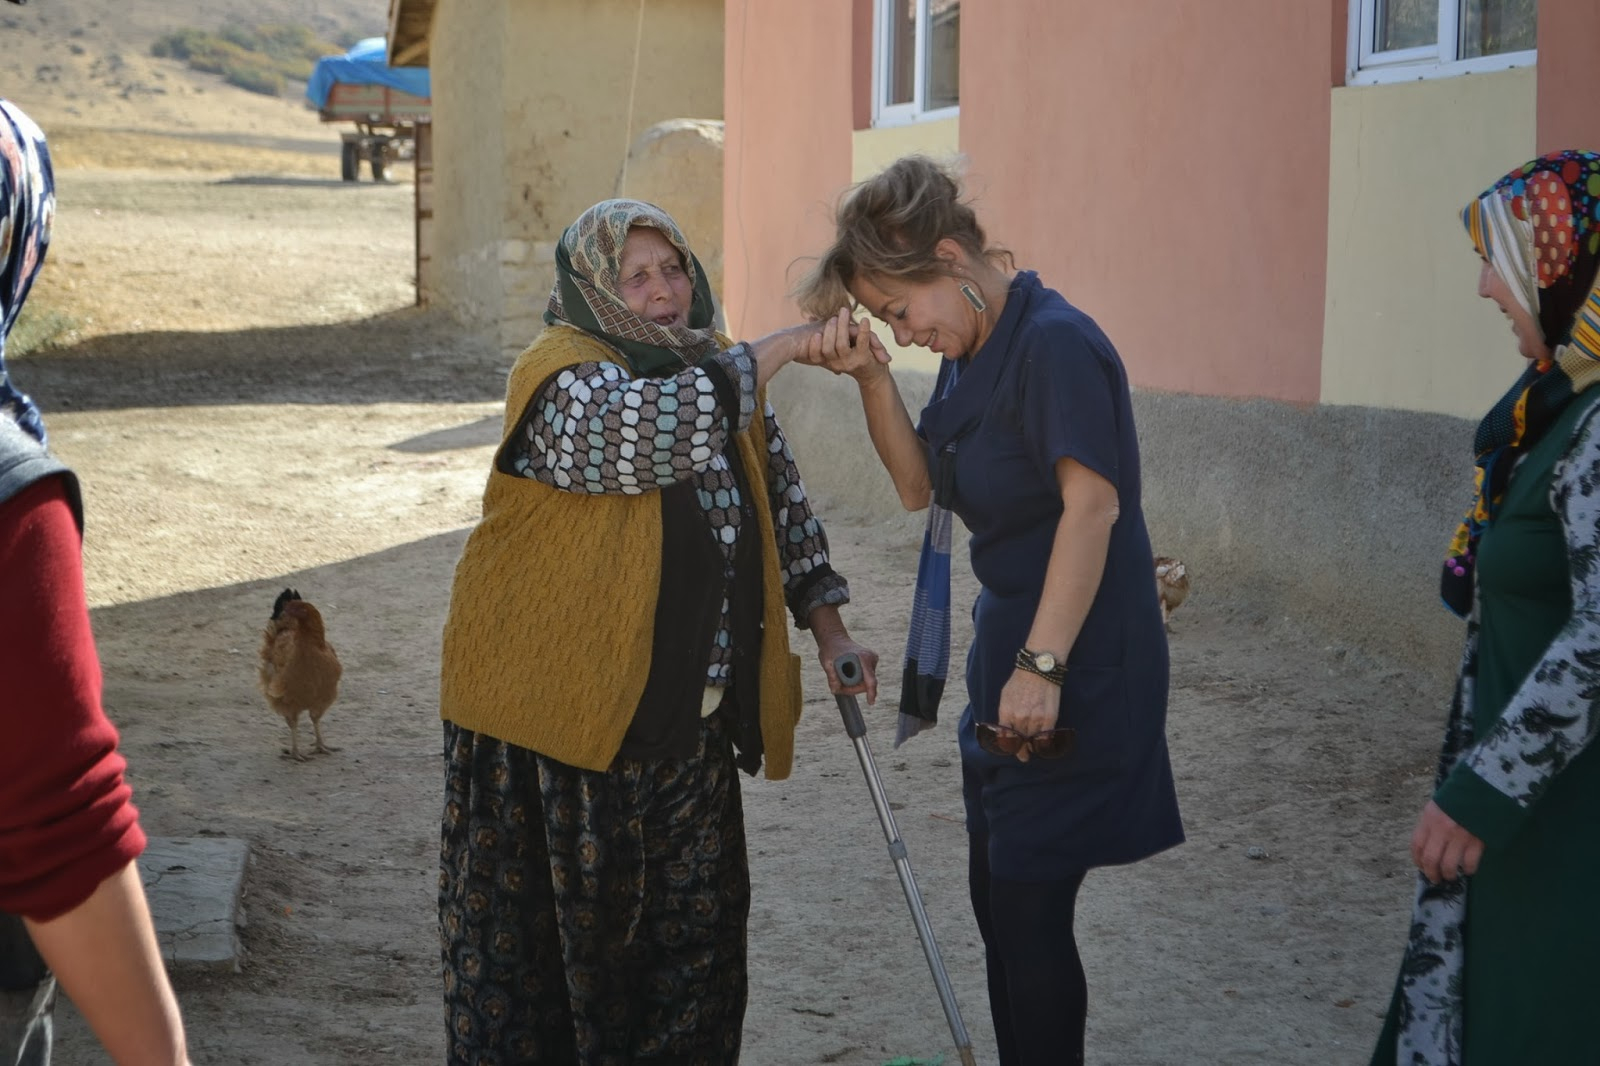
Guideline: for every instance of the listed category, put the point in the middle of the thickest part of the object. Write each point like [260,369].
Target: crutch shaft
[848,669]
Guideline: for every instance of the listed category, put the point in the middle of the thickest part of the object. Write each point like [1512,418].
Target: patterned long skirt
[592,918]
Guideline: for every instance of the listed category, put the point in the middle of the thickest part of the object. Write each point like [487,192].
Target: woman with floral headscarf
[1505,930]
[616,646]
[69,889]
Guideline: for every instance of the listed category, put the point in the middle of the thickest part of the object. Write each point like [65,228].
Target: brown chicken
[1172,584]
[299,670]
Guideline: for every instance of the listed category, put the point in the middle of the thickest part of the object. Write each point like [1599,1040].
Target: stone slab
[194,885]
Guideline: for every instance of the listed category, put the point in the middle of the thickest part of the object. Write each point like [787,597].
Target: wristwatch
[1042,663]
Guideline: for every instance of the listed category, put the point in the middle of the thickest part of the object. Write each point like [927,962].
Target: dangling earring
[973,298]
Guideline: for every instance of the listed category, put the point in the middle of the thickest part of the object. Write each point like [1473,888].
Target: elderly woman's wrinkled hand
[833,641]
[829,649]
[844,346]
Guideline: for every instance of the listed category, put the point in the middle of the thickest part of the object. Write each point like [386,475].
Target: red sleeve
[66,820]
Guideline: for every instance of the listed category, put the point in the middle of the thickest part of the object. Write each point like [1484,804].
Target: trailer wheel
[350,162]
[380,166]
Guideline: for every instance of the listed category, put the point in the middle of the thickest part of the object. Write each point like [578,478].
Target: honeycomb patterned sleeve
[594,429]
[809,580]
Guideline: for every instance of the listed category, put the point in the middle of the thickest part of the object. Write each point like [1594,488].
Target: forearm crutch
[849,671]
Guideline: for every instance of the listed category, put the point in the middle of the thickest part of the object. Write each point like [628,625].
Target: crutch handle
[847,668]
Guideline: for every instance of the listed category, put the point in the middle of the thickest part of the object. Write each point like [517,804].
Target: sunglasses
[1003,740]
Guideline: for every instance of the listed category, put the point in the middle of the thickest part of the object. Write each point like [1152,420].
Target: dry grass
[91,148]
[80,295]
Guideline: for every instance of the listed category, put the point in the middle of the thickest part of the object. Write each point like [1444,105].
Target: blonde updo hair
[888,227]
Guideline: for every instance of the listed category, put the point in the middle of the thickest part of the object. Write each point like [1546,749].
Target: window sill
[1402,72]
[907,117]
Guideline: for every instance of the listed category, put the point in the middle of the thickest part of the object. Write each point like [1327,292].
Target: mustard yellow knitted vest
[547,643]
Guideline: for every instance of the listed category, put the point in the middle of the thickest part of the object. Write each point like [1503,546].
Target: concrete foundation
[193,884]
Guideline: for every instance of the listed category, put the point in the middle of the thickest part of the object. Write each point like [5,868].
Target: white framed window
[1402,40]
[917,60]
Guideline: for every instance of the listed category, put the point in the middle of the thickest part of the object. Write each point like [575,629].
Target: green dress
[1528,783]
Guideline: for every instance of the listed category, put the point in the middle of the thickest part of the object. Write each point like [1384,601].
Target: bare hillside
[85,67]
[134,24]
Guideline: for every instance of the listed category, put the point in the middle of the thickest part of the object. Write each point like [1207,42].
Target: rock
[677,165]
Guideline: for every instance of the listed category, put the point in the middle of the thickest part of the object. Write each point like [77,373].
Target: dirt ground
[251,403]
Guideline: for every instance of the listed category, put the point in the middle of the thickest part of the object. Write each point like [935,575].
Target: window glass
[901,77]
[1406,24]
[944,55]
[1490,27]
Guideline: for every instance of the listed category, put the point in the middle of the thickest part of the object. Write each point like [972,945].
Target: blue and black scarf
[927,661]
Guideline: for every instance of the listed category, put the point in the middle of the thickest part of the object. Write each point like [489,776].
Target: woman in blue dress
[1029,439]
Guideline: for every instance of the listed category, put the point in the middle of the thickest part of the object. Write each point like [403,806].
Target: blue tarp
[364,65]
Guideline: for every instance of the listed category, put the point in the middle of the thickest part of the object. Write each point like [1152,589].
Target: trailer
[385,104]
[391,109]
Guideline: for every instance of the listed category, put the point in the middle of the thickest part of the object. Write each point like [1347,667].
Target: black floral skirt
[592,918]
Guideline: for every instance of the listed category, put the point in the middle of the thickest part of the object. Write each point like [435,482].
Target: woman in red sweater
[70,895]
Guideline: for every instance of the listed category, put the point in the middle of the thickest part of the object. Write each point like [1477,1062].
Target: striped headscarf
[27,207]
[1539,229]
[588,296]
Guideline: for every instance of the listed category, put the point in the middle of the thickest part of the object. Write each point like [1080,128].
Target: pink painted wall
[789,109]
[1569,77]
[1165,166]
[1339,40]
[862,17]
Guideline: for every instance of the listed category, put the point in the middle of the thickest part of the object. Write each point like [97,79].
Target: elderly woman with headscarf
[1505,930]
[616,646]
[70,894]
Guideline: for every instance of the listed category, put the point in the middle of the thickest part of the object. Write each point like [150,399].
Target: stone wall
[677,165]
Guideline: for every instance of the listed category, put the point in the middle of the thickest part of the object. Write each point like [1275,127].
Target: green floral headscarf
[586,294]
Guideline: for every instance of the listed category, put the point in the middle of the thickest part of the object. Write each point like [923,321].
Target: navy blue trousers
[1037,992]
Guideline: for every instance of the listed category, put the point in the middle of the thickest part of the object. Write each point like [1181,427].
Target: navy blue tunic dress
[1047,385]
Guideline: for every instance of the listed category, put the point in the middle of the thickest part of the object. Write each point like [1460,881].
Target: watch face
[1045,661]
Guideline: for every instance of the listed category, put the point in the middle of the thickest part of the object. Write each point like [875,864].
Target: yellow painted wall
[532,122]
[874,149]
[467,144]
[1404,326]
[569,73]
